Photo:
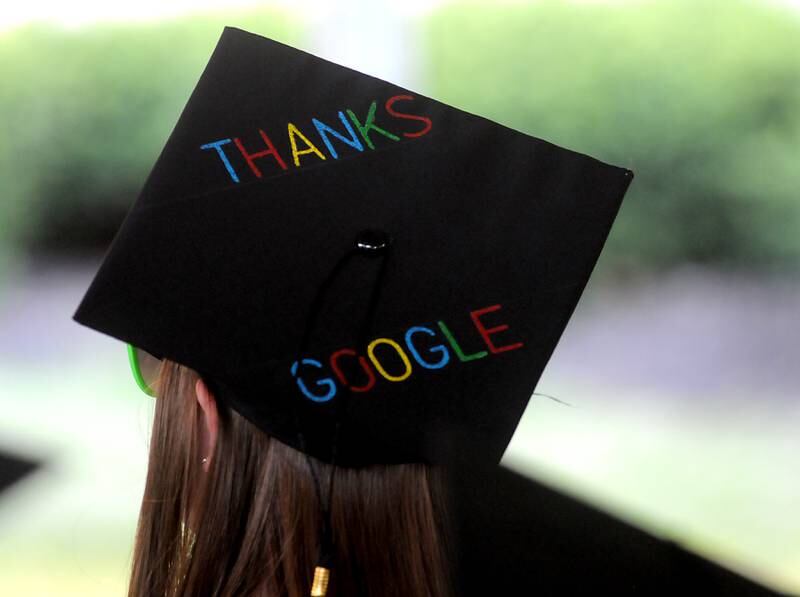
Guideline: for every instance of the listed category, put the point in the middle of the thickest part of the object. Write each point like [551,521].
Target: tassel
[319,588]
[369,242]
[322,572]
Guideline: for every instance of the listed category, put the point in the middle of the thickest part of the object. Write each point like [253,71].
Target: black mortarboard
[13,468]
[322,245]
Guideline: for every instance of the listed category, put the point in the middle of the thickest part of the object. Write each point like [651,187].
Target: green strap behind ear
[137,371]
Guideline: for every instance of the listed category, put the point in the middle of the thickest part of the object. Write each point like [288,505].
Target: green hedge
[85,112]
[700,98]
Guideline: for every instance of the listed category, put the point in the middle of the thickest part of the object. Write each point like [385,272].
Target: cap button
[373,241]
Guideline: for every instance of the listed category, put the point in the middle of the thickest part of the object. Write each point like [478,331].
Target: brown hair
[249,526]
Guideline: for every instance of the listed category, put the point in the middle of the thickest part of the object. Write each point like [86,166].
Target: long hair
[249,526]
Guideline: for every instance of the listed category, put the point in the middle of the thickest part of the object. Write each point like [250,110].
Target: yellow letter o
[379,367]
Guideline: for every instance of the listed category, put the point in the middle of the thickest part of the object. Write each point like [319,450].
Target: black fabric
[491,227]
[515,536]
[13,468]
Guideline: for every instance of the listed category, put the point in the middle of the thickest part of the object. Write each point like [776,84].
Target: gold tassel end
[319,587]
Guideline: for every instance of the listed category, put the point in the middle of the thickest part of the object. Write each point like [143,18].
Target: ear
[210,422]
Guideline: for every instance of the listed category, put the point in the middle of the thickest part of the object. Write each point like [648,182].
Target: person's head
[228,510]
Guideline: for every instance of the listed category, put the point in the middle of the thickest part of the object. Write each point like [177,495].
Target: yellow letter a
[293,130]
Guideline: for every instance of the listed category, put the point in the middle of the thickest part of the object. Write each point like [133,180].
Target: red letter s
[405,116]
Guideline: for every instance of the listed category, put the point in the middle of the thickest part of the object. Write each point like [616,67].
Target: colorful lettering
[324,130]
[457,349]
[379,367]
[440,348]
[324,382]
[361,361]
[325,388]
[252,157]
[354,134]
[369,125]
[390,102]
[295,132]
[221,153]
[486,332]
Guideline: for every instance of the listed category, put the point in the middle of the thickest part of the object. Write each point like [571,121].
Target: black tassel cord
[368,244]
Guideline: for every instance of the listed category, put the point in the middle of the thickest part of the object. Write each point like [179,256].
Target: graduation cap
[14,468]
[311,233]
[352,266]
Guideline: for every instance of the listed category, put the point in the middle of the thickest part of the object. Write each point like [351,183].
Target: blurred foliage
[85,113]
[701,99]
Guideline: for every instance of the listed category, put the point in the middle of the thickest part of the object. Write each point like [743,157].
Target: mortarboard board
[330,250]
[13,468]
